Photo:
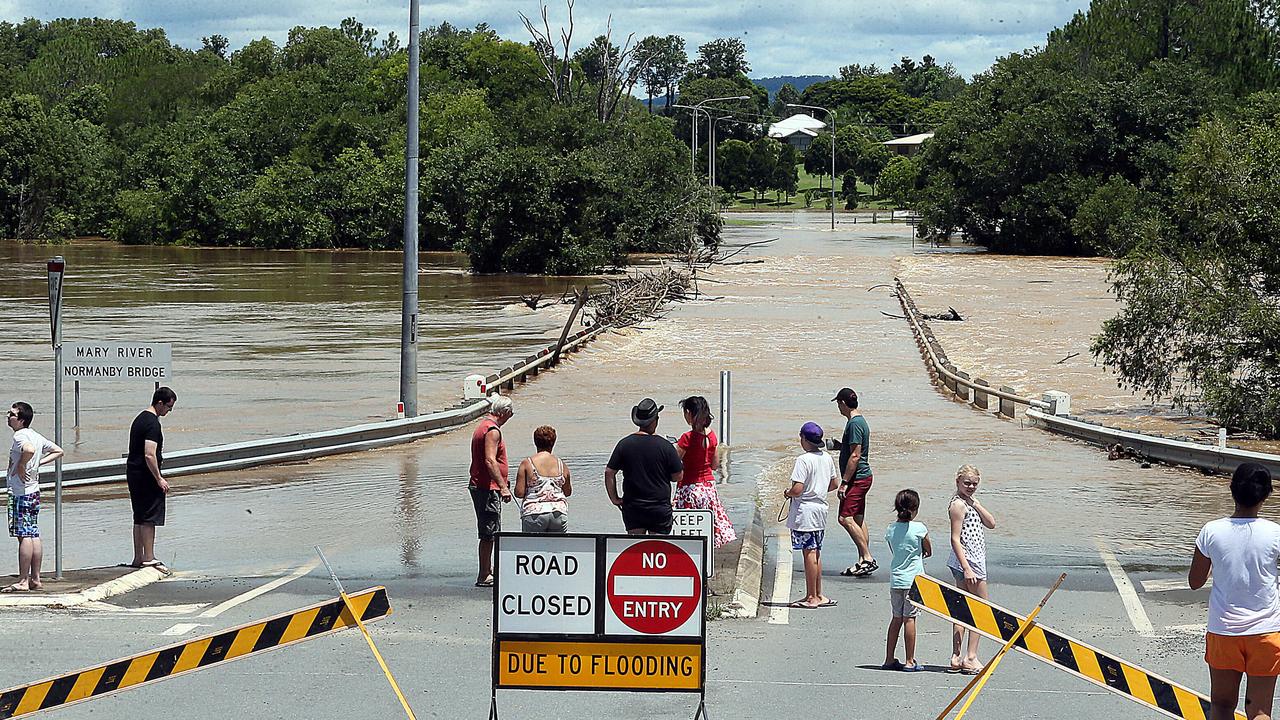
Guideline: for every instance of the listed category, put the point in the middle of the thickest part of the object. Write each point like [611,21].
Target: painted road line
[181,629]
[1061,651]
[1170,585]
[779,613]
[913,686]
[241,641]
[151,610]
[263,589]
[1128,596]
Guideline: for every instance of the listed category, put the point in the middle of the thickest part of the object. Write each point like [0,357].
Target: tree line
[109,130]
[1148,131]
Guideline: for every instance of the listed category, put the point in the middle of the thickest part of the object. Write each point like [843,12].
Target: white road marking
[263,589]
[1168,585]
[181,629]
[781,614]
[1128,596]
[652,586]
[913,686]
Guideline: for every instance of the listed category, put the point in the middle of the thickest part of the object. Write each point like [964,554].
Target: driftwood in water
[640,296]
[951,316]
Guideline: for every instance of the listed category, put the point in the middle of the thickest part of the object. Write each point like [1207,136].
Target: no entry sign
[654,587]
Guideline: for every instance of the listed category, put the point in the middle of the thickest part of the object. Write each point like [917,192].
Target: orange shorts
[1248,654]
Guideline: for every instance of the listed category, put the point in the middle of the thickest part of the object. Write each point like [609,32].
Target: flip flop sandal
[913,667]
[829,603]
[971,670]
[488,582]
[895,665]
[802,605]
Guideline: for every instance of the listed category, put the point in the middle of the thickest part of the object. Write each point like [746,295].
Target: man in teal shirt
[855,480]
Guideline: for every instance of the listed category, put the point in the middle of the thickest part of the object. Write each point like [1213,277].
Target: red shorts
[855,498]
[1248,654]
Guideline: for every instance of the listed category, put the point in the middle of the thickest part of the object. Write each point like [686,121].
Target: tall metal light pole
[831,114]
[409,304]
[693,135]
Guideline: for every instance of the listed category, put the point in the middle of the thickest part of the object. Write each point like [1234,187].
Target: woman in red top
[697,450]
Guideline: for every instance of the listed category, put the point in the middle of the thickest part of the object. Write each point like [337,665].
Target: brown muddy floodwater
[1029,322]
[273,343]
[265,343]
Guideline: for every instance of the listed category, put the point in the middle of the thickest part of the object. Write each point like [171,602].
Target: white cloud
[793,37]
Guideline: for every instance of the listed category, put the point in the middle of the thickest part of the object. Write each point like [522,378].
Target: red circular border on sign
[658,619]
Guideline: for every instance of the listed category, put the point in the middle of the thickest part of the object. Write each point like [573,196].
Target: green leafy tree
[1199,324]
[762,166]
[785,178]
[721,58]
[732,166]
[898,181]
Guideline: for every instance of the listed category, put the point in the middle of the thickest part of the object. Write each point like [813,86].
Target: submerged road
[792,328]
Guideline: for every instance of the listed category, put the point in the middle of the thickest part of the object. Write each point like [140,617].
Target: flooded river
[269,343]
[265,343]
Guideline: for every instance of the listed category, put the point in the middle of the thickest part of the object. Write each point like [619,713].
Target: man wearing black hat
[649,466]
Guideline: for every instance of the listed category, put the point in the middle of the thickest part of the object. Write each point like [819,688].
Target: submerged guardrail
[1052,412]
[305,446]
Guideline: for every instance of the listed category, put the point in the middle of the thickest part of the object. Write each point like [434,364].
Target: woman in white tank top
[543,486]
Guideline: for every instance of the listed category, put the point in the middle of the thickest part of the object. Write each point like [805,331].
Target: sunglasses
[13,414]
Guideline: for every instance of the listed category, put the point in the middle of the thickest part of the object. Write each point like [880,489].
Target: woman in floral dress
[697,450]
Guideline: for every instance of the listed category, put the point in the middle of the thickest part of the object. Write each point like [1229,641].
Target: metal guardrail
[304,446]
[1167,450]
[958,381]
[1211,458]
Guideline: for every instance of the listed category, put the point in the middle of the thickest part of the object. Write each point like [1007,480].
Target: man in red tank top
[488,483]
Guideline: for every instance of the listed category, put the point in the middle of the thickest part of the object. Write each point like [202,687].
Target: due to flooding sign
[599,612]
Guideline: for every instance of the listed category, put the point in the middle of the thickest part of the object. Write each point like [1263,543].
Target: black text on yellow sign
[197,654]
[1062,651]
[599,666]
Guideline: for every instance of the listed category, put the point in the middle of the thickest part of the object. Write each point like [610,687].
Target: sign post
[619,613]
[57,268]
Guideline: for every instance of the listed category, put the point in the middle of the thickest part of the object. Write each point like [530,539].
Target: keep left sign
[654,587]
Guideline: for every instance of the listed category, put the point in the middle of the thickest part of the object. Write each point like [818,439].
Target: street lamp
[693,134]
[711,131]
[832,115]
[409,269]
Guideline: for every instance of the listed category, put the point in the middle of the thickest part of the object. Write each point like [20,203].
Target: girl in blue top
[909,541]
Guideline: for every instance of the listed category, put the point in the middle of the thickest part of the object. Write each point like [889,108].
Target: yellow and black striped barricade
[279,631]
[1061,651]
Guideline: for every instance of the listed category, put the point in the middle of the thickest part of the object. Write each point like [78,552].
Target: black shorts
[146,498]
[651,519]
[488,506]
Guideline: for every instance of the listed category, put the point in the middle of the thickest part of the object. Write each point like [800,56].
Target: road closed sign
[654,587]
[546,585]
[599,612]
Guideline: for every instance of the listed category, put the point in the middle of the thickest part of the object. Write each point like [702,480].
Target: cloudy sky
[783,37]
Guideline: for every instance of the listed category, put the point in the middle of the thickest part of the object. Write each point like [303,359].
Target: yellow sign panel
[599,665]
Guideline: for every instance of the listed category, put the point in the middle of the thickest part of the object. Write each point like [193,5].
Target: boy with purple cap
[812,479]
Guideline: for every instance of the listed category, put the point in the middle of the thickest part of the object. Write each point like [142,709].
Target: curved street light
[832,115]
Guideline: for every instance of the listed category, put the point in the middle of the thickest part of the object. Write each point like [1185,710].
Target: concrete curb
[134,580]
[746,591]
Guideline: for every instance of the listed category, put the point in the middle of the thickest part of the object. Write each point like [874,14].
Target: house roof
[801,123]
[909,140]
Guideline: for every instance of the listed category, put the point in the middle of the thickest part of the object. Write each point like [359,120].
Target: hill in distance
[799,82]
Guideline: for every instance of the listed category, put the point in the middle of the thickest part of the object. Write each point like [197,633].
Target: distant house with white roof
[797,130]
[909,145]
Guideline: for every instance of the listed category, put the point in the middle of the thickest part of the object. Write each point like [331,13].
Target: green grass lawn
[770,201]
